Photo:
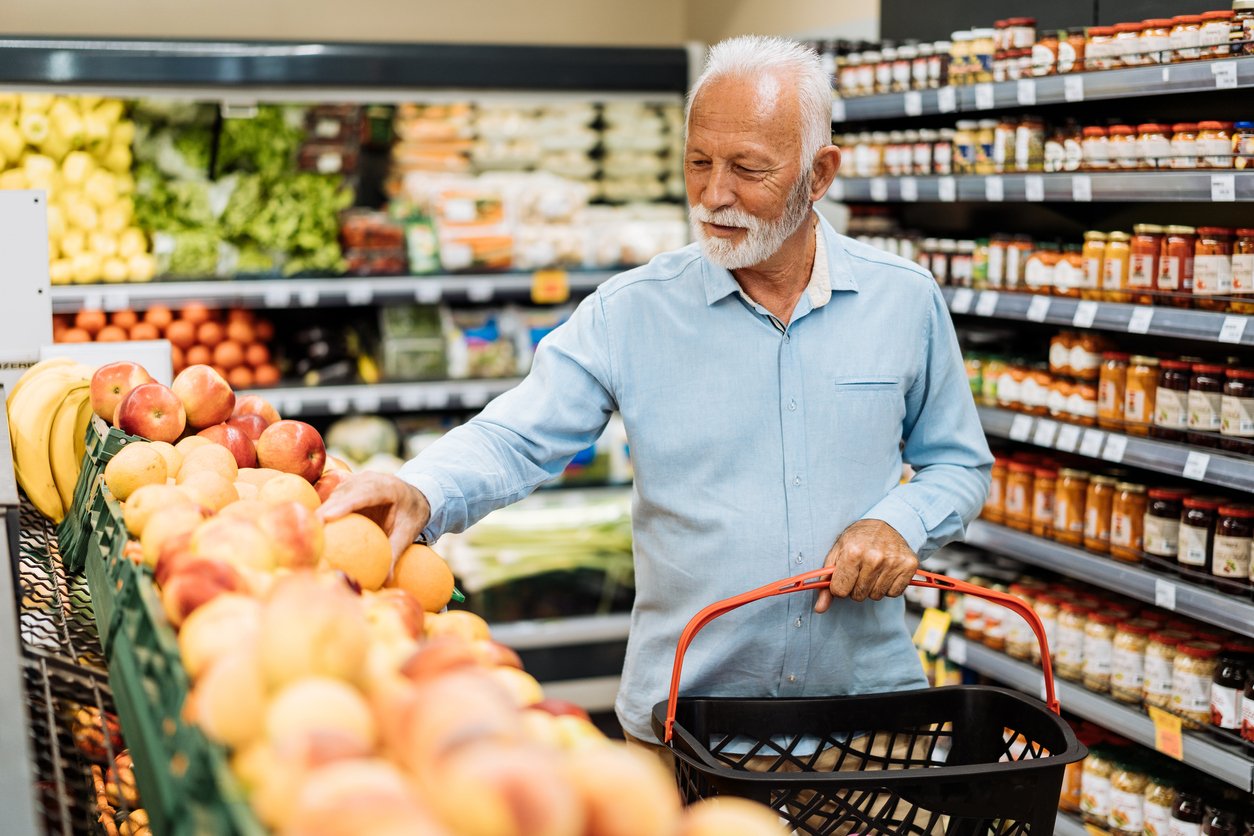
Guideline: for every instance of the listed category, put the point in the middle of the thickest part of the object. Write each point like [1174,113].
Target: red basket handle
[804,581]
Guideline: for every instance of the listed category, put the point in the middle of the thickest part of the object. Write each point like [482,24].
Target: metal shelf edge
[418,396]
[1077,187]
[563,632]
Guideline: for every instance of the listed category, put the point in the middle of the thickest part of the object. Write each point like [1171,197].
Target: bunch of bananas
[49,411]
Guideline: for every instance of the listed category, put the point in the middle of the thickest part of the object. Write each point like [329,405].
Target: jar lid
[1137,627]
[1171,638]
[1176,229]
[1152,128]
[1243,512]
[1178,19]
[1100,31]
[1241,374]
[1238,647]
[1168,493]
[1022,467]
[1245,232]
[1203,503]
[1102,479]
[1244,126]
[1128,27]
[1187,127]
[1147,229]
[1175,365]
[1099,617]
[1215,231]
[1095,235]
[1118,236]
[1077,31]
[1130,487]
[1199,650]
[1210,126]
[1094,130]
[1026,21]
[1073,607]
[1072,473]
[1121,130]
[1045,473]
[1143,360]
[1159,22]
[1217,15]
[1207,368]
[1117,356]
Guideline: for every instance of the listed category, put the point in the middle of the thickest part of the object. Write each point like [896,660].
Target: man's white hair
[759,58]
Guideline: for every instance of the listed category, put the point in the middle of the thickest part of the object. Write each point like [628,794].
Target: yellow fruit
[187,445]
[170,523]
[134,466]
[207,488]
[424,574]
[358,548]
[458,623]
[173,458]
[288,487]
[142,267]
[148,500]
[211,457]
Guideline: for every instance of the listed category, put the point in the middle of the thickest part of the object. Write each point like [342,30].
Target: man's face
[747,192]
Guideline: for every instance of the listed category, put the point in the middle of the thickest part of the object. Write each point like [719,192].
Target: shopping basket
[954,760]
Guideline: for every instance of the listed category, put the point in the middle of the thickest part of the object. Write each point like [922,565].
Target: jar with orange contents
[1116,262]
[1044,486]
[1212,268]
[1139,394]
[1019,499]
[1123,147]
[1214,144]
[1175,266]
[995,504]
[1082,404]
[1242,300]
[1111,386]
[1092,255]
[1185,37]
[1098,503]
[1086,356]
[1072,486]
[1146,248]
[1127,521]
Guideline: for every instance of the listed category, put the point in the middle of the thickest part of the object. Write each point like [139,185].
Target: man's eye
[749,170]
[699,163]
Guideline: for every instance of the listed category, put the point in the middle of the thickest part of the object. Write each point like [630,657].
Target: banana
[63,363]
[31,417]
[64,464]
[81,423]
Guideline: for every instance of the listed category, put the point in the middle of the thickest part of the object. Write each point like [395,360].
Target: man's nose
[719,192]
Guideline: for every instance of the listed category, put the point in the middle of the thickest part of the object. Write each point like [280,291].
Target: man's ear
[823,171]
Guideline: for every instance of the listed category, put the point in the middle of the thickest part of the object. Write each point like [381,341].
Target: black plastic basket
[959,760]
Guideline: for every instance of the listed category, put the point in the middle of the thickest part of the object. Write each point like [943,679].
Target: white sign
[947,100]
[1038,309]
[1115,446]
[1068,438]
[994,189]
[1027,92]
[1091,445]
[1139,323]
[359,295]
[1164,594]
[276,297]
[1225,75]
[946,190]
[963,297]
[909,189]
[1085,313]
[1233,329]
[914,103]
[838,110]
[1034,188]
[985,98]
[1223,188]
[1195,466]
[987,306]
[879,189]
[1046,431]
[1082,188]
[1073,88]
[1021,428]
[428,292]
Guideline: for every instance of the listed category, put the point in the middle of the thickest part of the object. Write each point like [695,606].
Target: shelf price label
[409,401]
[549,287]
[1073,88]
[909,189]
[994,189]
[359,295]
[1115,446]
[276,297]
[1168,733]
[957,650]
[367,404]
[946,190]
[879,189]
[1223,188]
[1195,465]
[1026,90]
[838,110]
[1225,73]
[1085,313]
[292,407]
[93,301]
[1091,444]
[428,291]
[1038,308]
[1164,594]
[1021,428]
[963,297]
[1046,431]
[933,628]
[947,100]
[1233,329]
[985,97]
[1139,322]
[115,300]
[1034,188]
[913,101]
[437,397]
[987,306]
[1081,188]
[1068,438]
[308,297]
[337,406]
[479,290]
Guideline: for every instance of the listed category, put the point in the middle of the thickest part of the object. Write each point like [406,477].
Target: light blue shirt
[754,446]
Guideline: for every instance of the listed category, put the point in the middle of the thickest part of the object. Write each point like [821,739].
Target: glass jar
[1098,503]
[1212,268]
[1038,270]
[1127,521]
[1243,145]
[997,261]
[1191,675]
[1060,346]
[960,264]
[965,139]
[1068,523]
[902,67]
[943,152]
[1083,404]
[1187,813]
[1156,40]
[1016,259]
[1021,32]
[1243,26]
[1093,255]
[1046,607]
[1215,33]
[1214,144]
[866,72]
[1175,271]
[1127,811]
[921,153]
[1139,394]
[1206,392]
[1236,666]
[1059,398]
[1197,534]
[1111,386]
[1044,487]
[1045,54]
[1019,636]
[1146,248]
[1127,45]
[918,67]
[884,70]
[1096,149]
[1069,656]
[1123,147]
[1153,146]
[1116,264]
[1219,821]
[1162,522]
[1095,787]
[1072,147]
[1098,51]
[1186,33]
[1099,639]
[1069,271]
[1159,797]
[1036,392]
[982,50]
[938,69]
[1010,387]
[1019,499]
[1160,655]
[1236,422]
[995,504]
[1171,400]
[985,134]
[1086,357]
[979,265]
[1127,660]
[1184,145]
[1071,51]
[1242,299]
[941,257]
[1230,555]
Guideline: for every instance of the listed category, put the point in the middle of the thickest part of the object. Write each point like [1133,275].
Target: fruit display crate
[75,531]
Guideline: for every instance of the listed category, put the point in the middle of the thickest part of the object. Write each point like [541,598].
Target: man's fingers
[870,565]
[824,601]
[899,586]
[844,574]
[401,537]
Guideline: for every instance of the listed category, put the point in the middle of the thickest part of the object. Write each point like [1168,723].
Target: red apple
[296,533]
[559,708]
[194,583]
[111,383]
[251,423]
[205,394]
[234,439]
[152,411]
[406,607]
[330,480]
[292,447]
[255,405]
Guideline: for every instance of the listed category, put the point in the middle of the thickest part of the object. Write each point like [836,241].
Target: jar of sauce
[1215,33]
[1187,813]
[1071,51]
[1127,808]
[1230,560]
[1236,667]
[1111,388]
[1123,147]
[1242,299]
[1072,618]
[1206,389]
[1060,346]
[1146,249]
[1197,534]
[1186,37]
[1127,521]
[1214,144]
[1160,795]
[1098,503]
[1191,675]
[1098,52]
[997,261]
[1095,787]
[1019,499]
[1069,271]
[1116,264]
[1082,404]
[1096,149]
[1099,639]
[1086,356]
[995,504]
[1127,660]
[1184,145]
[1138,401]
[1019,636]
[1127,44]
[1175,271]
[1016,261]
[1046,606]
[1153,146]
[1171,400]
[1162,522]
[1156,40]
[1038,270]
[1160,655]
[1212,268]
[1045,54]
[1093,255]
[1068,524]
[1221,822]
[1044,487]
[1236,422]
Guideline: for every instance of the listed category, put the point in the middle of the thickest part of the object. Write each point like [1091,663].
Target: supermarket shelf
[367,399]
[1227,611]
[1069,825]
[1157,321]
[563,632]
[595,694]
[1154,80]
[358,71]
[1180,460]
[1199,751]
[1082,187]
[314,293]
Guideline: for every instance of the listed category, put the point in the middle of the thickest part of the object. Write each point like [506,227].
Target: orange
[265,330]
[228,354]
[144,331]
[212,457]
[288,487]
[424,574]
[195,313]
[90,321]
[209,334]
[160,316]
[124,319]
[110,334]
[178,360]
[182,333]
[241,332]
[267,375]
[359,549]
[240,377]
[198,355]
[256,355]
[74,335]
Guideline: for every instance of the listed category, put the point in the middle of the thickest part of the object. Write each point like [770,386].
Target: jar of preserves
[995,505]
[1060,346]
[1068,523]
[1127,521]
[866,72]
[1241,300]
[1019,636]
[1161,531]
[1192,672]
[1171,400]
[1096,149]
[1116,264]
[943,152]
[982,50]
[1127,659]
[1016,259]
[1098,53]
[1206,392]
[1127,811]
[1127,45]
[1175,272]
[1146,248]
[1038,269]
[985,135]
[1230,555]
[938,67]
[1184,145]
[1214,144]
[1072,618]
[1215,33]
[1086,356]
[1153,146]
[1160,655]
[1197,534]
[1010,386]
[1019,499]
[1236,667]
[961,264]
[1156,40]
[1021,32]
[1071,51]
[941,256]
[1098,503]
[1093,255]
[1212,268]
[1220,821]
[1099,639]
[906,55]
[1036,392]
[1072,147]
[1236,422]
[1045,54]
[1044,487]
[1123,146]
[921,152]
[1046,607]
[1159,797]
[1095,787]
[997,261]
[1069,271]
[1142,386]
[1082,404]
[965,138]
[1111,386]
[1187,813]
[1059,398]
[1243,26]
[918,67]
[1186,31]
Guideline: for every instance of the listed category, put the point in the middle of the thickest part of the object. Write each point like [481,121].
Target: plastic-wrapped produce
[480,343]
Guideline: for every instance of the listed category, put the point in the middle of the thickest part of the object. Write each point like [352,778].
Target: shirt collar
[831,271]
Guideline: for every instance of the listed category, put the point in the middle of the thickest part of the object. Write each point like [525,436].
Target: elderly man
[767,376]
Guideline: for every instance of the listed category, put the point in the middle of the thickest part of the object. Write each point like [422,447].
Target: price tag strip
[1233,329]
[1168,733]
[1038,308]
[913,102]
[1034,188]
[1196,464]
[946,190]
[1115,446]
[994,189]
[1164,594]
[1139,322]
[987,306]
[879,189]
[909,189]
[1091,444]
[1068,438]
[1081,188]
[947,100]
[933,628]
[1046,432]
[1223,188]
[985,97]
[1026,92]
[963,297]
[1085,313]
[1021,428]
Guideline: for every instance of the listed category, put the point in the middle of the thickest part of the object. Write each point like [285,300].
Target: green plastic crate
[74,534]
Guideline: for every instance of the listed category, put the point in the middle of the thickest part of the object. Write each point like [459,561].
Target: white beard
[762,238]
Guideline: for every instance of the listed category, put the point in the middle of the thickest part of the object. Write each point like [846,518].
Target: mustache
[727,216]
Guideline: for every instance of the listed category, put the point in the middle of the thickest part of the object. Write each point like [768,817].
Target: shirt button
[799,557]
[792,677]
[797,623]
[792,405]
[796,480]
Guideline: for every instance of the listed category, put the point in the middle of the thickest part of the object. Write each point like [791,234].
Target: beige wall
[713,20]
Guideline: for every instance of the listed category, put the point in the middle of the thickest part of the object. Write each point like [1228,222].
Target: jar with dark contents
[1171,400]
[1187,813]
[1197,534]
[1236,423]
[1191,675]
[1230,552]
[1206,391]
[1162,522]
[1236,666]
[1127,520]
[1220,821]
[1098,503]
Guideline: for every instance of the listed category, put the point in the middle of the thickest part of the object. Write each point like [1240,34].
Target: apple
[295,532]
[251,423]
[293,447]
[233,438]
[194,583]
[255,405]
[152,411]
[111,383]
[205,394]
[330,480]
[559,708]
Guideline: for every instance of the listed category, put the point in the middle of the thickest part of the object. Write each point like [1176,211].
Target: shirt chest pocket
[868,412]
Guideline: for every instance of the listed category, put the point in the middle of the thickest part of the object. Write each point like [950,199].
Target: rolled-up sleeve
[944,443]
[528,435]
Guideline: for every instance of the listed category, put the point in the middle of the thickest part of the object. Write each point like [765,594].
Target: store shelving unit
[579,659]
[1069,825]
[1150,80]
[384,398]
[1078,187]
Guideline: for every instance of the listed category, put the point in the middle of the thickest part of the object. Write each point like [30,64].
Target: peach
[460,623]
[194,583]
[323,707]
[211,457]
[730,816]
[251,423]
[229,700]
[560,708]
[625,792]
[521,685]
[257,475]
[288,487]
[152,411]
[444,712]
[310,628]
[436,657]
[249,509]
[226,622]
[247,490]
[169,524]
[395,611]
[273,776]
[577,732]
[173,553]
[133,467]
[255,405]
[209,489]
[173,458]
[293,447]
[112,382]
[233,540]
[358,548]
[234,439]
[352,797]
[295,531]
[493,654]
[148,500]
[186,445]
